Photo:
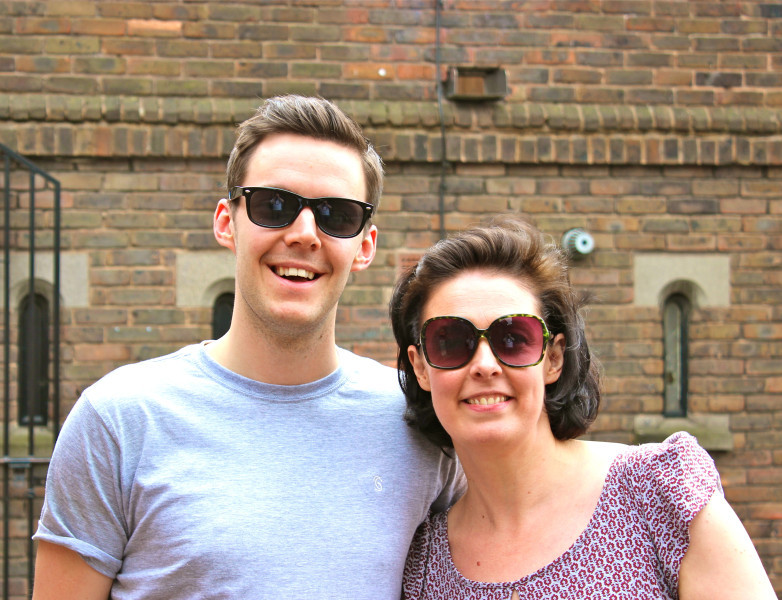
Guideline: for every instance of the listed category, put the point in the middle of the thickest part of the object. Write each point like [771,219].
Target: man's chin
[300,322]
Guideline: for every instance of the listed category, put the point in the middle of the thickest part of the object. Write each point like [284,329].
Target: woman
[495,364]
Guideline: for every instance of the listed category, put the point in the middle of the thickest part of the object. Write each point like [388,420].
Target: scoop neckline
[575,546]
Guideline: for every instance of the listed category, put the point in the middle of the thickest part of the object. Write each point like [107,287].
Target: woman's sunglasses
[271,207]
[516,340]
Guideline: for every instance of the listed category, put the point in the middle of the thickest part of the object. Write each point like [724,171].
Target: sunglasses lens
[339,217]
[272,208]
[517,341]
[449,343]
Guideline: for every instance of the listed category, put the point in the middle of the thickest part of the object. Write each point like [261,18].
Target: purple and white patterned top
[631,549]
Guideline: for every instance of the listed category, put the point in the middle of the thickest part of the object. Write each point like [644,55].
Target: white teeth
[486,400]
[293,272]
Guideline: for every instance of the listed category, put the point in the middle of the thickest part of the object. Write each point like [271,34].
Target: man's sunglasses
[271,207]
[516,340]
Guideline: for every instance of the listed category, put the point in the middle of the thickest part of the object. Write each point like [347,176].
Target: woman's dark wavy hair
[510,246]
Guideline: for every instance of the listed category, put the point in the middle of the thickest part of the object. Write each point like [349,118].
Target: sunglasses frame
[481,333]
[247,190]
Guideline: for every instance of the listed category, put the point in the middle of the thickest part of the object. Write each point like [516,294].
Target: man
[268,463]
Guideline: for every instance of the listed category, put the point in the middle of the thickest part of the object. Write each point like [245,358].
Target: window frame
[221,321]
[33,374]
[676,318]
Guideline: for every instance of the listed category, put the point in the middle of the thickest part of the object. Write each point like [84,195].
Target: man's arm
[61,574]
[721,562]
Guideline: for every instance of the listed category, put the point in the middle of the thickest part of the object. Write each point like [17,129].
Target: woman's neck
[524,508]
[506,484]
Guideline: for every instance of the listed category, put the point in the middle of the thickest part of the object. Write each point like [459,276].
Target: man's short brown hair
[312,117]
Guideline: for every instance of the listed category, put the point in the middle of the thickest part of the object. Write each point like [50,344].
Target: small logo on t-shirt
[378,483]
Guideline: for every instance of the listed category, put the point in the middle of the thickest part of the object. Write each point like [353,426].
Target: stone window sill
[711,431]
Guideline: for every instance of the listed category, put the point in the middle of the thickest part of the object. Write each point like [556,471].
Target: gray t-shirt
[182,479]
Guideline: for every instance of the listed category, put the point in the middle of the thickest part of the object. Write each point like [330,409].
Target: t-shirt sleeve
[674,480]
[416,564]
[453,483]
[82,510]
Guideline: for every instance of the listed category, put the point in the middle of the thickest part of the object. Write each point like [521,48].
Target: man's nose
[304,230]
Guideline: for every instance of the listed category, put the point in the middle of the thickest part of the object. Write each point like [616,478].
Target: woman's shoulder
[604,452]
[678,447]
[676,475]
[596,460]
[679,455]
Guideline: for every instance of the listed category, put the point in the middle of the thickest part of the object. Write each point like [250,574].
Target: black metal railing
[35,402]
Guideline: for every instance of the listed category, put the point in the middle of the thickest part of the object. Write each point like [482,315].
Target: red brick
[154,28]
[366,34]
[43,64]
[422,72]
[101,353]
[368,71]
[613,187]
[561,187]
[102,27]
[699,25]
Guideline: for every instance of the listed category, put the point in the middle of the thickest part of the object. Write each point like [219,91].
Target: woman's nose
[483,362]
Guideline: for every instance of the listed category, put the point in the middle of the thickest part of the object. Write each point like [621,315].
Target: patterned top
[631,549]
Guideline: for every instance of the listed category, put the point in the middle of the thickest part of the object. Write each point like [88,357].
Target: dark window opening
[676,313]
[221,314]
[34,359]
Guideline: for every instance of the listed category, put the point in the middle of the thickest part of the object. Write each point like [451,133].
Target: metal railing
[23,465]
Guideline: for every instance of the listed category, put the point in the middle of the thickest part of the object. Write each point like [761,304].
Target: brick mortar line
[575,118]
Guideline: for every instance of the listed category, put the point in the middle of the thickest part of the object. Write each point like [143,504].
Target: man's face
[270,295]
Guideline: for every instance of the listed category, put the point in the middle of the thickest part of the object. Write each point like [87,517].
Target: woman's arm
[721,562]
[61,574]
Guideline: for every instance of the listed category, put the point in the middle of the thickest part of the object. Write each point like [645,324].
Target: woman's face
[485,400]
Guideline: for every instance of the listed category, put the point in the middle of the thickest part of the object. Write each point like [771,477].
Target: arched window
[221,314]
[33,359]
[676,313]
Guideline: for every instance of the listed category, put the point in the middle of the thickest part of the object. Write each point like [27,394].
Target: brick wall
[656,126]
[617,52]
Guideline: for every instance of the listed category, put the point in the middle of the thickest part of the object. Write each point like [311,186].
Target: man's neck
[276,361]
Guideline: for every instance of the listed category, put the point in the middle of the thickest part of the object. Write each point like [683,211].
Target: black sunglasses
[275,208]
[516,340]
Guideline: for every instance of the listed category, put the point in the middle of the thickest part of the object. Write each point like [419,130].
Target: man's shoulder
[354,362]
[368,373]
[134,377]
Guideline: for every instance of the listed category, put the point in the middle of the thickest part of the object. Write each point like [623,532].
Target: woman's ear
[555,359]
[419,366]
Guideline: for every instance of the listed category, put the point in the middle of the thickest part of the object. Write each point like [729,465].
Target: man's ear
[419,366]
[366,251]
[555,359]
[223,225]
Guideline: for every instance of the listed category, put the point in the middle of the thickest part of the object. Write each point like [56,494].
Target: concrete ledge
[655,273]
[711,431]
[202,276]
[18,437]
[74,277]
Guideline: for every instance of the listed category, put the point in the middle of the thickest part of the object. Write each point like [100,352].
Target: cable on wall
[443,159]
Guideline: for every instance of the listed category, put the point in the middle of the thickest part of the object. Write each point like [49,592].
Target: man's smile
[294,273]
